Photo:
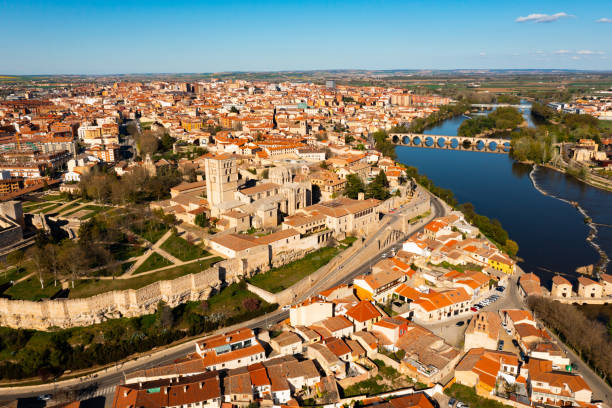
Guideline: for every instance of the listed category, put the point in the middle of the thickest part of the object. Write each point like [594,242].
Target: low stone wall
[288,295]
[65,313]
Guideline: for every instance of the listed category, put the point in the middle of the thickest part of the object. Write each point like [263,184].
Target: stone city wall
[65,313]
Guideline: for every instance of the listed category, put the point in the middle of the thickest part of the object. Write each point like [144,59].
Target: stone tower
[221,178]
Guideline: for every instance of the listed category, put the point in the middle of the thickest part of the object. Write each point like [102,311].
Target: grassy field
[92,287]
[11,275]
[182,249]
[279,279]
[154,261]
[151,230]
[122,252]
[113,271]
[30,289]
[32,206]
[69,207]
[230,300]
[51,208]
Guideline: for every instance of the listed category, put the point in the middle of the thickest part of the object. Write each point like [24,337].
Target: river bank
[604,259]
[553,237]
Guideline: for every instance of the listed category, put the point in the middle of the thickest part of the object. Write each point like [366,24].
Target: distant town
[229,243]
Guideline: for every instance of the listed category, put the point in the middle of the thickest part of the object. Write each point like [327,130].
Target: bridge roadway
[500,105]
[477,144]
[104,381]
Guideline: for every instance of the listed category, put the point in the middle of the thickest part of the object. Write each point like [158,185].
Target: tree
[251,304]
[354,186]
[39,257]
[511,247]
[378,188]
[73,259]
[202,220]
[15,258]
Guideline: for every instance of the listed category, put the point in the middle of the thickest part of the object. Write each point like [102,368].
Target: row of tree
[587,337]
[136,186]
[418,125]
[502,118]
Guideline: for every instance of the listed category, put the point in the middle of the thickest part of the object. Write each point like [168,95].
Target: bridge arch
[466,144]
[441,142]
[480,145]
[406,140]
[492,145]
[395,139]
[454,143]
[429,141]
[507,146]
[416,141]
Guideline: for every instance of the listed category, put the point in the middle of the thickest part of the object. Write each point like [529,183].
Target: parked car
[460,323]
[45,397]
[473,309]
[286,307]
[515,343]
[500,288]
[451,402]
[500,346]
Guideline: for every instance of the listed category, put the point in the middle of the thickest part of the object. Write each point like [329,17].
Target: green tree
[354,186]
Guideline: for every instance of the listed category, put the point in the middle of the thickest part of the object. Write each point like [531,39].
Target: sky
[107,37]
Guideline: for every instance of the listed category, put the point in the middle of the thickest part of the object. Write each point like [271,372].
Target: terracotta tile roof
[363,312]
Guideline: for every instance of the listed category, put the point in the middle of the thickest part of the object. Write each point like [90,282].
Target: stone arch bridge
[477,144]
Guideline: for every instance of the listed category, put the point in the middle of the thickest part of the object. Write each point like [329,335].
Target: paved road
[512,300]
[107,379]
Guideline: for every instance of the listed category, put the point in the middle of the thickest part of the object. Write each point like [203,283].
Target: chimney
[361,196]
[201,385]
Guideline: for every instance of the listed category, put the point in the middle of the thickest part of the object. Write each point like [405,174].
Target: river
[551,233]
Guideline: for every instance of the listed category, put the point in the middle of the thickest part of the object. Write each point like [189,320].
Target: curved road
[105,380]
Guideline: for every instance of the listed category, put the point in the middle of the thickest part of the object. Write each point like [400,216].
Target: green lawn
[11,275]
[30,289]
[122,252]
[92,287]
[154,261]
[95,209]
[182,249]
[279,279]
[110,271]
[152,231]
[69,207]
[35,206]
[229,300]
[51,208]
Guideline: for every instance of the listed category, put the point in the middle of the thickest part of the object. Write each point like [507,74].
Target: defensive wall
[65,313]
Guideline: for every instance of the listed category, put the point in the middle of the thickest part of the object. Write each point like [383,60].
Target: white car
[286,307]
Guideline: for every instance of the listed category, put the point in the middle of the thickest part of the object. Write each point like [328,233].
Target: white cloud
[575,57]
[482,54]
[542,18]
[562,52]
[604,20]
[585,52]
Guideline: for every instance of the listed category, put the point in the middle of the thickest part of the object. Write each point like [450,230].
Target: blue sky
[98,37]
